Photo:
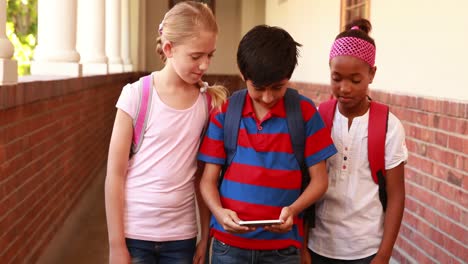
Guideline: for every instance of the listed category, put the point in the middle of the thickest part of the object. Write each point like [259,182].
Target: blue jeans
[225,254]
[319,259]
[170,252]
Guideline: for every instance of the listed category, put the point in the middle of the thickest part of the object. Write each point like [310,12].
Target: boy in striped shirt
[264,179]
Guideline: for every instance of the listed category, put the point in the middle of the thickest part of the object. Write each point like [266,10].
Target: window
[210,3]
[351,9]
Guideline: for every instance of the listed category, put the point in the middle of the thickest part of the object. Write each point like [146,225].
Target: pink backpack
[139,123]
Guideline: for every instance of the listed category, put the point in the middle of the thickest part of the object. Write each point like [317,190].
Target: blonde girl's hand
[229,220]
[200,252]
[288,220]
[119,256]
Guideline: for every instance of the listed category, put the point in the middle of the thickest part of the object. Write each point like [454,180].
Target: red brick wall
[435,222]
[54,137]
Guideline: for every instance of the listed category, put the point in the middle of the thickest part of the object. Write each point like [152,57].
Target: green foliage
[22,31]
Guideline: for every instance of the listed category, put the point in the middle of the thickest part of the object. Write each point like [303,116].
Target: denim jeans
[225,254]
[170,252]
[319,259]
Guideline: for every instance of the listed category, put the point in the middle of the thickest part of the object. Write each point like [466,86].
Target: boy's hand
[287,216]
[229,220]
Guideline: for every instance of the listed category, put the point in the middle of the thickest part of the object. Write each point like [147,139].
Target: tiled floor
[83,238]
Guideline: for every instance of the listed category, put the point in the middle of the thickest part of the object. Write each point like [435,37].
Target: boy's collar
[277,110]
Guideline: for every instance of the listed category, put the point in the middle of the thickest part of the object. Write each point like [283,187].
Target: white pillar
[125,49]
[113,37]
[56,51]
[91,36]
[8,67]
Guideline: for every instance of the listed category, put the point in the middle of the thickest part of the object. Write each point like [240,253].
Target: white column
[56,51]
[8,67]
[113,37]
[91,36]
[125,49]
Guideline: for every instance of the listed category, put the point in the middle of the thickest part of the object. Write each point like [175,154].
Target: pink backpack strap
[139,125]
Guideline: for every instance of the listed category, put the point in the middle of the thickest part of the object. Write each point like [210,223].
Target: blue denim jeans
[225,254]
[170,252]
[319,259]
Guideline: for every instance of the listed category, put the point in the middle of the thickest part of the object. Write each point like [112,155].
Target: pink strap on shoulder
[140,121]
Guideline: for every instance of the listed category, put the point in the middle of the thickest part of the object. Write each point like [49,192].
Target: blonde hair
[181,23]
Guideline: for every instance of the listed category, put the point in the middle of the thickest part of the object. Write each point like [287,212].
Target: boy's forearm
[209,187]
[317,187]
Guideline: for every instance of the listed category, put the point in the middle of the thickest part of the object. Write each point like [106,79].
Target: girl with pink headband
[353,224]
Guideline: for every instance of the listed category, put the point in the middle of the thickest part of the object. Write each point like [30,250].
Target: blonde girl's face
[191,58]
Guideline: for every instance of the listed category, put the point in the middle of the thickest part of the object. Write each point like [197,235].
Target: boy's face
[267,96]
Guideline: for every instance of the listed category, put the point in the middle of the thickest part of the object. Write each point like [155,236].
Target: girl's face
[350,78]
[191,58]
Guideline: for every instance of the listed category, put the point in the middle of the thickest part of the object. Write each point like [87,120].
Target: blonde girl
[150,198]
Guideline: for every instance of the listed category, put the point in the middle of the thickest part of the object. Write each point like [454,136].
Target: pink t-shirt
[159,193]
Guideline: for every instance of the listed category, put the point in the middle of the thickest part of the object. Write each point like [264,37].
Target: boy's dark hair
[365,27]
[267,55]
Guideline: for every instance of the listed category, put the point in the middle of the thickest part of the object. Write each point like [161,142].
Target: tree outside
[21,29]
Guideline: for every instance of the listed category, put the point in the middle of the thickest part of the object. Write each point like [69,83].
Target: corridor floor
[83,237]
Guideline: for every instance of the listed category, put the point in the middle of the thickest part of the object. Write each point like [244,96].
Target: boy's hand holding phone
[286,217]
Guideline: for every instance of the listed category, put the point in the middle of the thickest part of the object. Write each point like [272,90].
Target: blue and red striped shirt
[264,175]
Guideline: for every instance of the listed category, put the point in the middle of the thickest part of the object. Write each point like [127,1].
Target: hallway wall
[54,138]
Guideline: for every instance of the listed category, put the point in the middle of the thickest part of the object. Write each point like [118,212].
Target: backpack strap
[139,124]
[377,132]
[327,112]
[295,123]
[231,127]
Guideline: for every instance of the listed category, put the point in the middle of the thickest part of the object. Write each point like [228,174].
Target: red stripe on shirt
[213,148]
[282,179]
[247,211]
[271,142]
[255,244]
[318,141]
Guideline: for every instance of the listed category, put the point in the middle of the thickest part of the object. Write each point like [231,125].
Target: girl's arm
[117,163]
[204,214]
[395,187]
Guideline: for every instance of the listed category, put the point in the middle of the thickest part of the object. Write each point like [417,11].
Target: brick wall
[435,222]
[54,137]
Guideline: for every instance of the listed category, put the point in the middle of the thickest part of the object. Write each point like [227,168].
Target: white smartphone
[260,222]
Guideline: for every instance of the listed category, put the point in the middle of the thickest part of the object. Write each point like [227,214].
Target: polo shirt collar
[277,110]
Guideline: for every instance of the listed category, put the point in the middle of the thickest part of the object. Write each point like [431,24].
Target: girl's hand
[379,259]
[229,220]
[288,220]
[200,252]
[306,258]
[119,256]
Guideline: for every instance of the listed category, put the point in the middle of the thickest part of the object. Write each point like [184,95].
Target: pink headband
[356,47]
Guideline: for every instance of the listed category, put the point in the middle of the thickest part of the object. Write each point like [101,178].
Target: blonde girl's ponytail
[217,92]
